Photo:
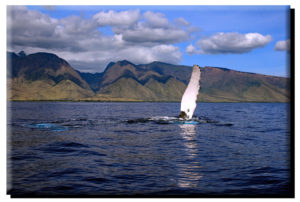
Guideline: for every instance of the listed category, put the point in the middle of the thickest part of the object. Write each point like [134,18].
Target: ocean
[103,149]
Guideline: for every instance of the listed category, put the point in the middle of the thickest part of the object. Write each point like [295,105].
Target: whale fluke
[189,98]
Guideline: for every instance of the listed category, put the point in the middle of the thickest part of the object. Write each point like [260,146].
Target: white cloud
[139,38]
[142,55]
[113,18]
[157,20]
[75,25]
[191,50]
[154,35]
[283,45]
[181,22]
[19,19]
[232,42]
[136,54]
[155,29]
[167,53]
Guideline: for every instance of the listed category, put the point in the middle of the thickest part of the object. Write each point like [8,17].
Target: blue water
[109,149]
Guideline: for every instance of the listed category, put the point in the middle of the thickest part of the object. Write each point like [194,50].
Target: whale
[189,98]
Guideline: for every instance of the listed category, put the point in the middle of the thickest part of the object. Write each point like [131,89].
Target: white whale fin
[189,98]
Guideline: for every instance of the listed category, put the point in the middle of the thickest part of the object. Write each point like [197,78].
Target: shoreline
[128,101]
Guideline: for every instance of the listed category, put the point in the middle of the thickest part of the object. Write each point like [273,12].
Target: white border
[150,2]
[4,3]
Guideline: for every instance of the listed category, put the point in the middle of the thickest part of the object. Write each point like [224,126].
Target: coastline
[137,101]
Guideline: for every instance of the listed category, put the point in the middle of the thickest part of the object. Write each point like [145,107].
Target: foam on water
[46,126]
[175,120]
[64,125]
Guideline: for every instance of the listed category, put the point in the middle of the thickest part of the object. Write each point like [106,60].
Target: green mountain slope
[128,88]
[171,90]
[44,76]
[19,89]
[219,84]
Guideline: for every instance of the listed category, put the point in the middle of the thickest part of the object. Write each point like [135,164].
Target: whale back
[189,98]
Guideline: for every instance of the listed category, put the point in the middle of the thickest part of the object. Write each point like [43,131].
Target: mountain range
[45,76]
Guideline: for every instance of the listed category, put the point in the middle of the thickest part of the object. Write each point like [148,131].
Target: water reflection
[189,169]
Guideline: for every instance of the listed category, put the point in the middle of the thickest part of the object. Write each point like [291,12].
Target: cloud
[181,22]
[113,18]
[49,7]
[283,45]
[93,60]
[138,37]
[232,42]
[156,20]
[20,19]
[75,25]
[154,29]
[191,50]
[140,54]
[154,35]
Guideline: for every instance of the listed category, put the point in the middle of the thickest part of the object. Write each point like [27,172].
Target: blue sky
[244,38]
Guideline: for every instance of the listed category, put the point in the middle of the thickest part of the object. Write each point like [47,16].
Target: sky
[244,38]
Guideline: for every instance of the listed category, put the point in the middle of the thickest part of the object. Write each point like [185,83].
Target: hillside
[45,76]
[219,84]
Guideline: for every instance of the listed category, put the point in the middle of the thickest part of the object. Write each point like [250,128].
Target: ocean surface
[141,149]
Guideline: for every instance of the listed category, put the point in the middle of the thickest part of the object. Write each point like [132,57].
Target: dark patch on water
[68,148]
[27,157]
[96,180]
[176,120]
[224,124]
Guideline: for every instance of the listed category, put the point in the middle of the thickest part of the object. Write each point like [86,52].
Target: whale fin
[189,98]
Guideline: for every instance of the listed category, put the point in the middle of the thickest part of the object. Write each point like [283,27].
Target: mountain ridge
[45,76]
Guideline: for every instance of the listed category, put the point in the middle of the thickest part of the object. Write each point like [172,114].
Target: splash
[175,120]
[189,98]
